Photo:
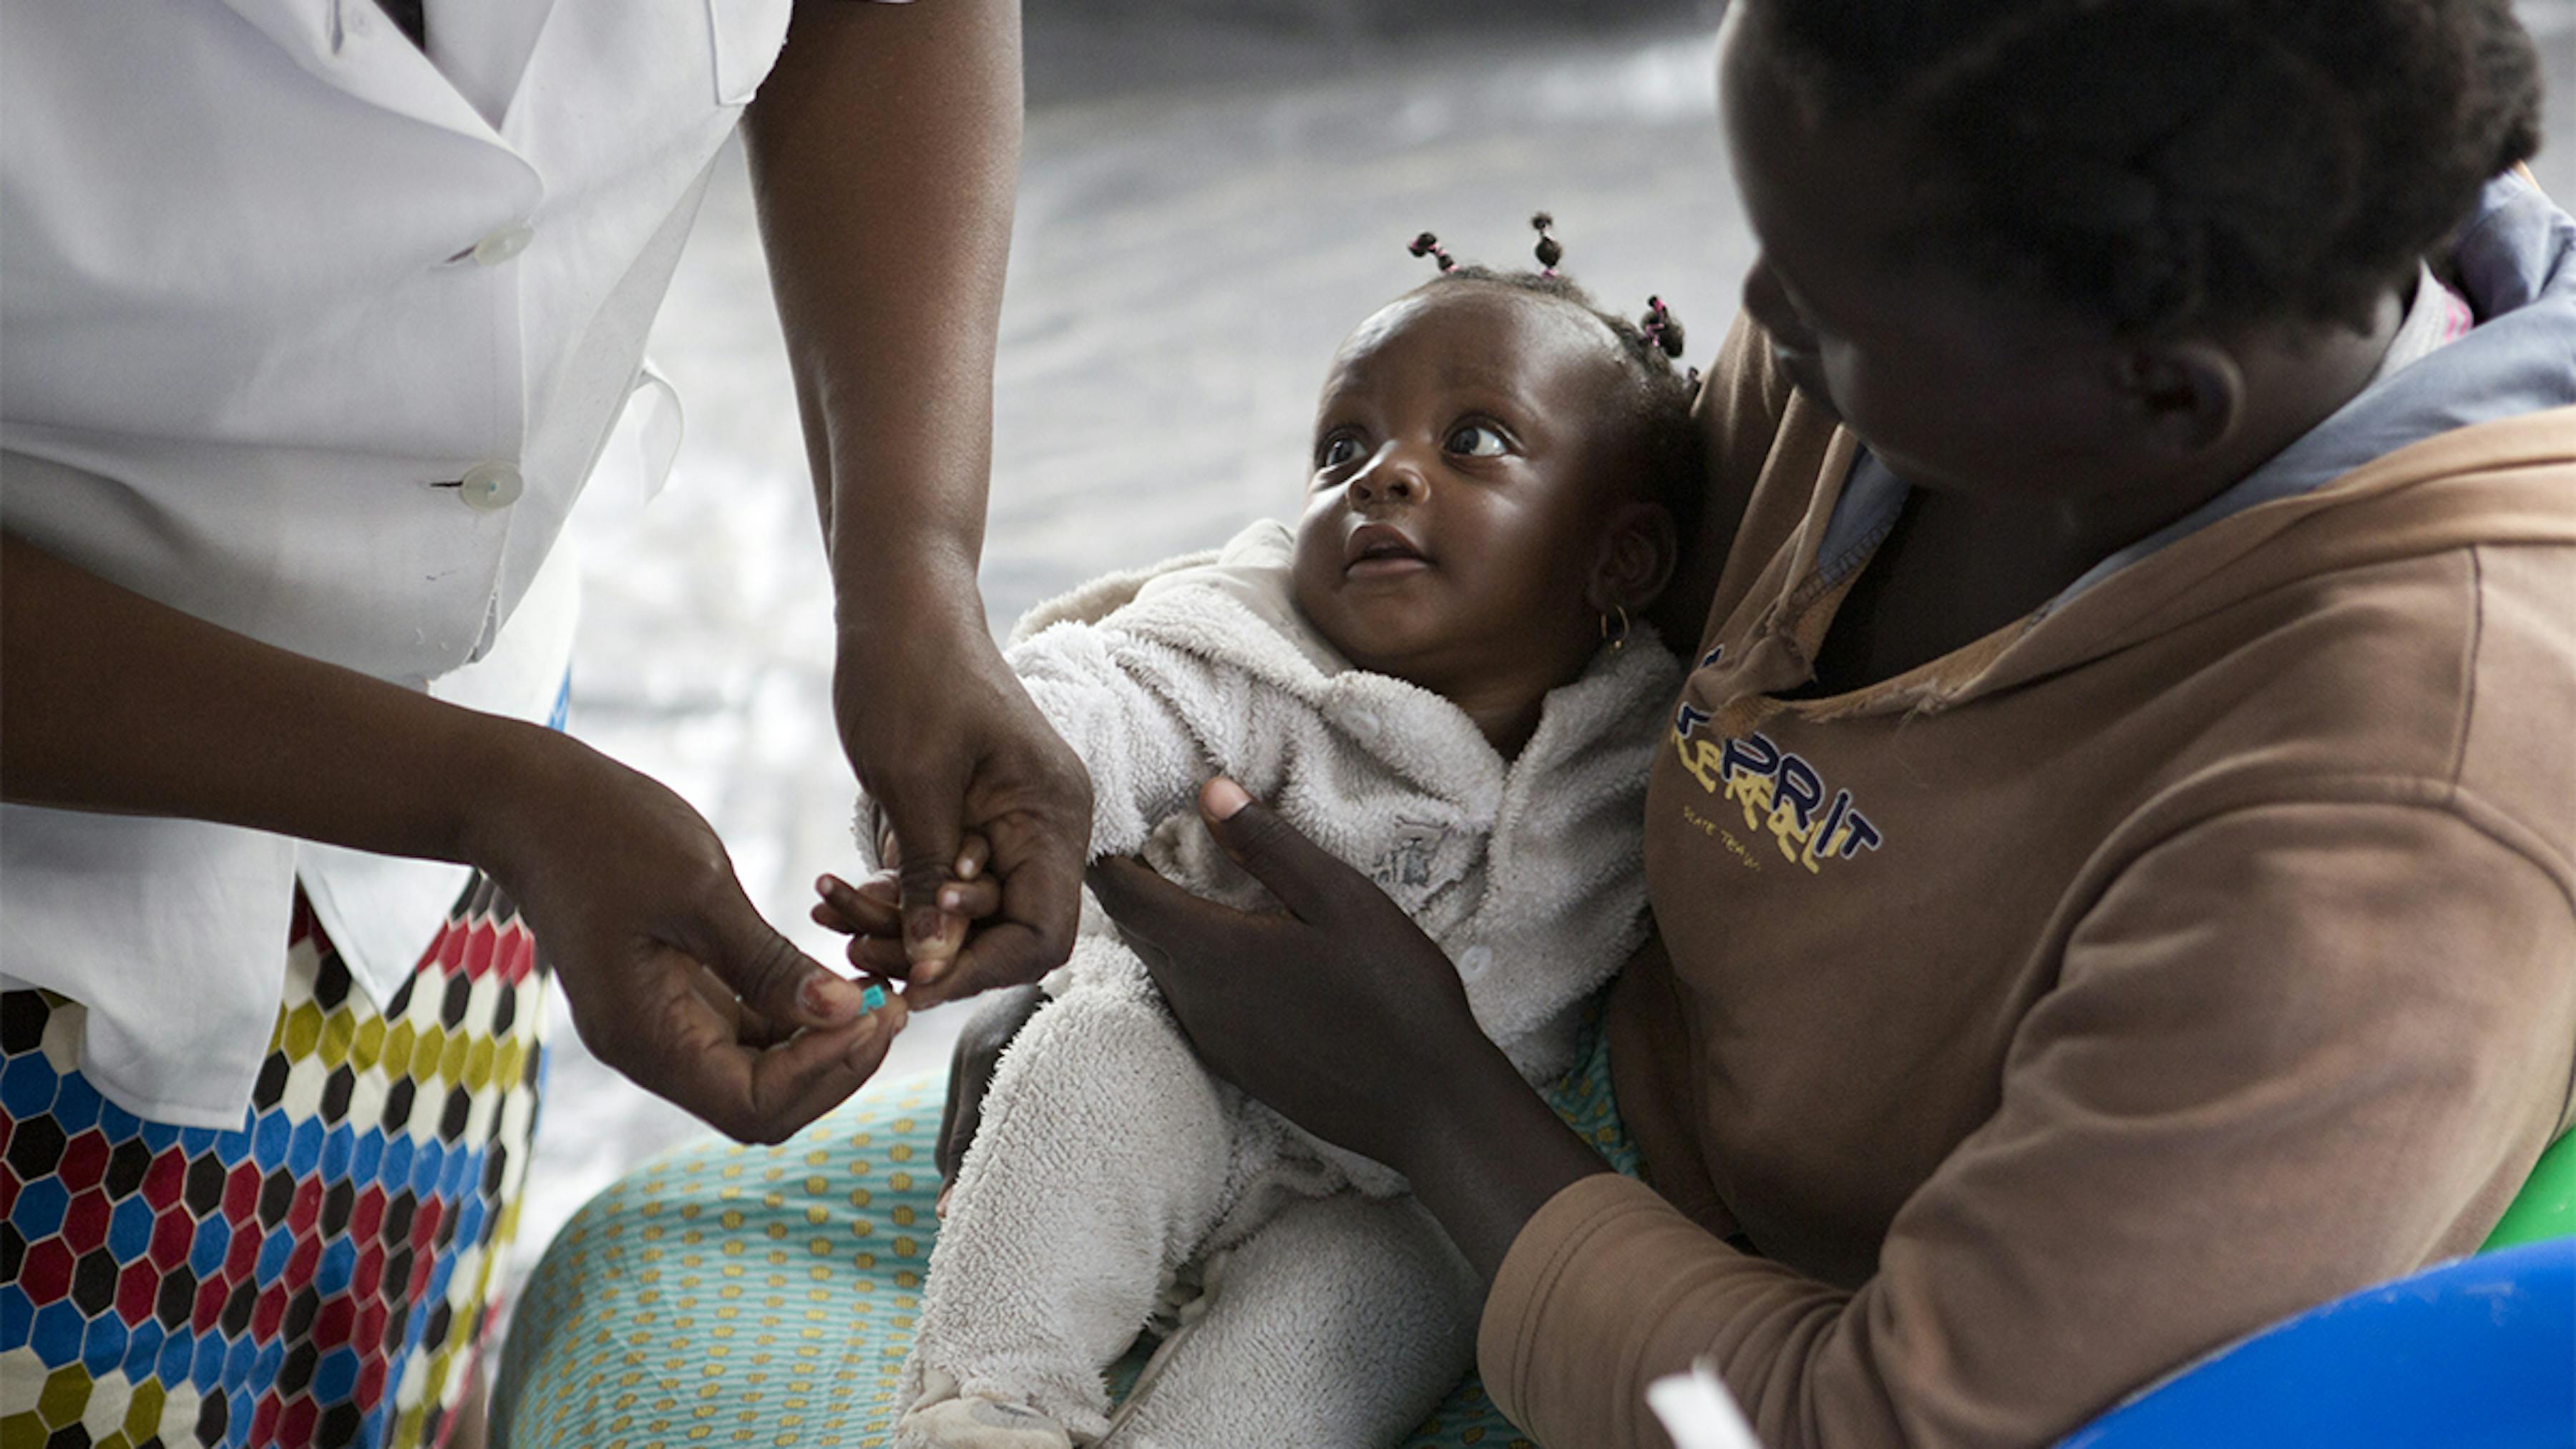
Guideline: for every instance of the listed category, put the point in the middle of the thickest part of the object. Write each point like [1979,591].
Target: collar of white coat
[354,47]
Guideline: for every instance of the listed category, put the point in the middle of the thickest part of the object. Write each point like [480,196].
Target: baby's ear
[1635,558]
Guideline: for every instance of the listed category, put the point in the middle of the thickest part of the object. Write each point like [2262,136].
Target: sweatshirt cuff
[1546,1272]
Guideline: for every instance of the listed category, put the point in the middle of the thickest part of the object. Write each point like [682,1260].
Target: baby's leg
[1338,1325]
[1099,1165]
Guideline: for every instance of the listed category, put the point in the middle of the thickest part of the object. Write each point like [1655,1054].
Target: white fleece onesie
[1111,1174]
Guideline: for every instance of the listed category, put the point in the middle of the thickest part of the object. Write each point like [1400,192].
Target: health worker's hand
[890,333]
[673,977]
[982,799]
[870,913]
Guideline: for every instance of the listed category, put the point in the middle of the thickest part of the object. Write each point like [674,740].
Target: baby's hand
[870,914]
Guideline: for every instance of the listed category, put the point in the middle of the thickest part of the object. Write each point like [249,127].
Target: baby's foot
[974,1423]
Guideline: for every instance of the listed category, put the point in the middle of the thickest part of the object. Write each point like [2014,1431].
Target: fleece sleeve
[2292,1051]
[1149,722]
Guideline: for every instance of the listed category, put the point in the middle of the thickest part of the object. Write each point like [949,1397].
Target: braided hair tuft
[1658,394]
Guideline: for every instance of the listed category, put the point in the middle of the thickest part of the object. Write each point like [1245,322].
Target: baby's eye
[1476,440]
[1337,450]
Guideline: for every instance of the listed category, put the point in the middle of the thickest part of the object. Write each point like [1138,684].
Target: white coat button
[491,487]
[503,244]
[1475,961]
[1366,723]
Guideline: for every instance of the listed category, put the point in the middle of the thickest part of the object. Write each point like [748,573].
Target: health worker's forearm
[884,153]
[112,702]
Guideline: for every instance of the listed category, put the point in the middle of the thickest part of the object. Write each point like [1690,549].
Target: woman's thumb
[1296,870]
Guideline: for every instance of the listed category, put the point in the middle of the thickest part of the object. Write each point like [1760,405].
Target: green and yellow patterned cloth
[766,1295]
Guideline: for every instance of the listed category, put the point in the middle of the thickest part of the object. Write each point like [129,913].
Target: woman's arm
[2270,1074]
[884,149]
[111,702]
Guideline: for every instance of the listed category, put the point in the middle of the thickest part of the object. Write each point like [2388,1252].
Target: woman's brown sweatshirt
[2047,1016]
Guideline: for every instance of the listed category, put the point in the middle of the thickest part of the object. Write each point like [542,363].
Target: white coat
[1108,1164]
[302,342]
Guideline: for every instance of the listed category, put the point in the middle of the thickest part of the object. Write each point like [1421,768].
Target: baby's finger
[934,935]
[880,956]
[868,909]
[971,900]
[973,854]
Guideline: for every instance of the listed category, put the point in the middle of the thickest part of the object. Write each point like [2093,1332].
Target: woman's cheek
[1907,420]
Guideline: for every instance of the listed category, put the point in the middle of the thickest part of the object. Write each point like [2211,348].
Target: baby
[1435,675]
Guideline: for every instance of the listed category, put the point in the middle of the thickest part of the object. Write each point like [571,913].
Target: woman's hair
[1657,394]
[2163,162]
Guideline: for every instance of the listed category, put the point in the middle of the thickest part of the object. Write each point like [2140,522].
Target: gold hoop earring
[1617,639]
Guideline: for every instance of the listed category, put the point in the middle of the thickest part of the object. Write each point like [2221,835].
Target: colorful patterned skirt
[766,1295]
[320,1277]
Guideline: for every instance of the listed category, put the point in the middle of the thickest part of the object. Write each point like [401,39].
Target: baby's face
[1466,452]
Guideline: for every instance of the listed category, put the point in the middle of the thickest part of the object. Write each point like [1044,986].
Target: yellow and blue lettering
[1779,791]
[1801,787]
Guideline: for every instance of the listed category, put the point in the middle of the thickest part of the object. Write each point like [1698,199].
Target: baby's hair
[2158,163]
[1550,251]
[1658,394]
[1661,329]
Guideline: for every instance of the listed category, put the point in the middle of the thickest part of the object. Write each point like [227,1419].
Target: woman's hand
[1344,1017]
[1334,1012]
[673,977]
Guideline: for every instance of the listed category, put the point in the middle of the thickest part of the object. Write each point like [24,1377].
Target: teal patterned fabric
[765,1295]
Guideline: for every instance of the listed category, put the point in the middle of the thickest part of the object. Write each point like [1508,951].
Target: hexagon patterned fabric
[316,1278]
[766,1295]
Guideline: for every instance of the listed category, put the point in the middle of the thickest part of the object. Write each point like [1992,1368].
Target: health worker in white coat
[318,314]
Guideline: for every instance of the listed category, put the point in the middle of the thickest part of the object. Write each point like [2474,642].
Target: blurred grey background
[1214,192]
